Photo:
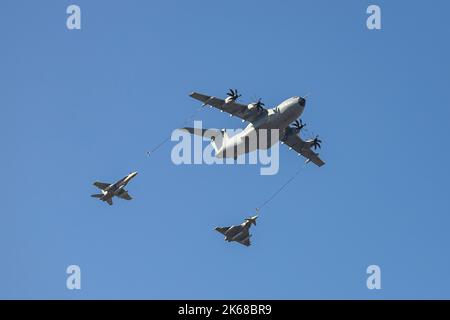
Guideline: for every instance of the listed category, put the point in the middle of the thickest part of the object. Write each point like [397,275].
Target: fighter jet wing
[222,230]
[124,195]
[303,148]
[244,237]
[109,201]
[102,185]
[246,242]
[233,108]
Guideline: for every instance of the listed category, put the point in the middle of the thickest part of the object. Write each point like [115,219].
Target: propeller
[259,104]
[233,94]
[316,142]
[299,125]
[294,128]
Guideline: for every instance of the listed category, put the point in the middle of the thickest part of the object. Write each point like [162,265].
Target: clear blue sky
[80,106]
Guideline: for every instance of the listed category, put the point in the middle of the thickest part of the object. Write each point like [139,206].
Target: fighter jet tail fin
[252,219]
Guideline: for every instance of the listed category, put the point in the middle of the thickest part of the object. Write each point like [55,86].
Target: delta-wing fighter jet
[116,189]
[282,118]
[239,233]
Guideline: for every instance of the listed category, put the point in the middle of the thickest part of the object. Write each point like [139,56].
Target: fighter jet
[282,118]
[239,233]
[116,189]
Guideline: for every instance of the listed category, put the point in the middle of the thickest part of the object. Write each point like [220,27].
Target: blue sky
[85,105]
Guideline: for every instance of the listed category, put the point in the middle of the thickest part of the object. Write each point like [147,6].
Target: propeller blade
[261,104]
[317,142]
[233,93]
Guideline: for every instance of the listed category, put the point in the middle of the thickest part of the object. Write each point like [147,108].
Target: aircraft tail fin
[219,140]
[252,220]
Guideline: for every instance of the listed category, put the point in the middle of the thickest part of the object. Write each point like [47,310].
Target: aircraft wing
[233,108]
[124,195]
[109,201]
[304,148]
[102,185]
[222,230]
[246,242]
[245,236]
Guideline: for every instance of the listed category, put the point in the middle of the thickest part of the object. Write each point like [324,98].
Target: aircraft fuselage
[276,118]
[116,188]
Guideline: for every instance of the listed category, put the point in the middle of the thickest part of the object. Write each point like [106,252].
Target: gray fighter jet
[116,189]
[239,233]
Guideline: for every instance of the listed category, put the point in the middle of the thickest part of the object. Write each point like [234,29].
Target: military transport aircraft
[116,189]
[239,233]
[283,117]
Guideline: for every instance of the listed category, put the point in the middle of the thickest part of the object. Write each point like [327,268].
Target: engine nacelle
[251,106]
[229,100]
[290,131]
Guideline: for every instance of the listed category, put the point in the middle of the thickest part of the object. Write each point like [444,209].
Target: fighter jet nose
[131,176]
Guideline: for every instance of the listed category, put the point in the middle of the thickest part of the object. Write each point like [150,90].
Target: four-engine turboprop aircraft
[279,118]
[116,189]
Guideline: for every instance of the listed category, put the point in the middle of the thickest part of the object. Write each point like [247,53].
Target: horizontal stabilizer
[218,137]
[207,133]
